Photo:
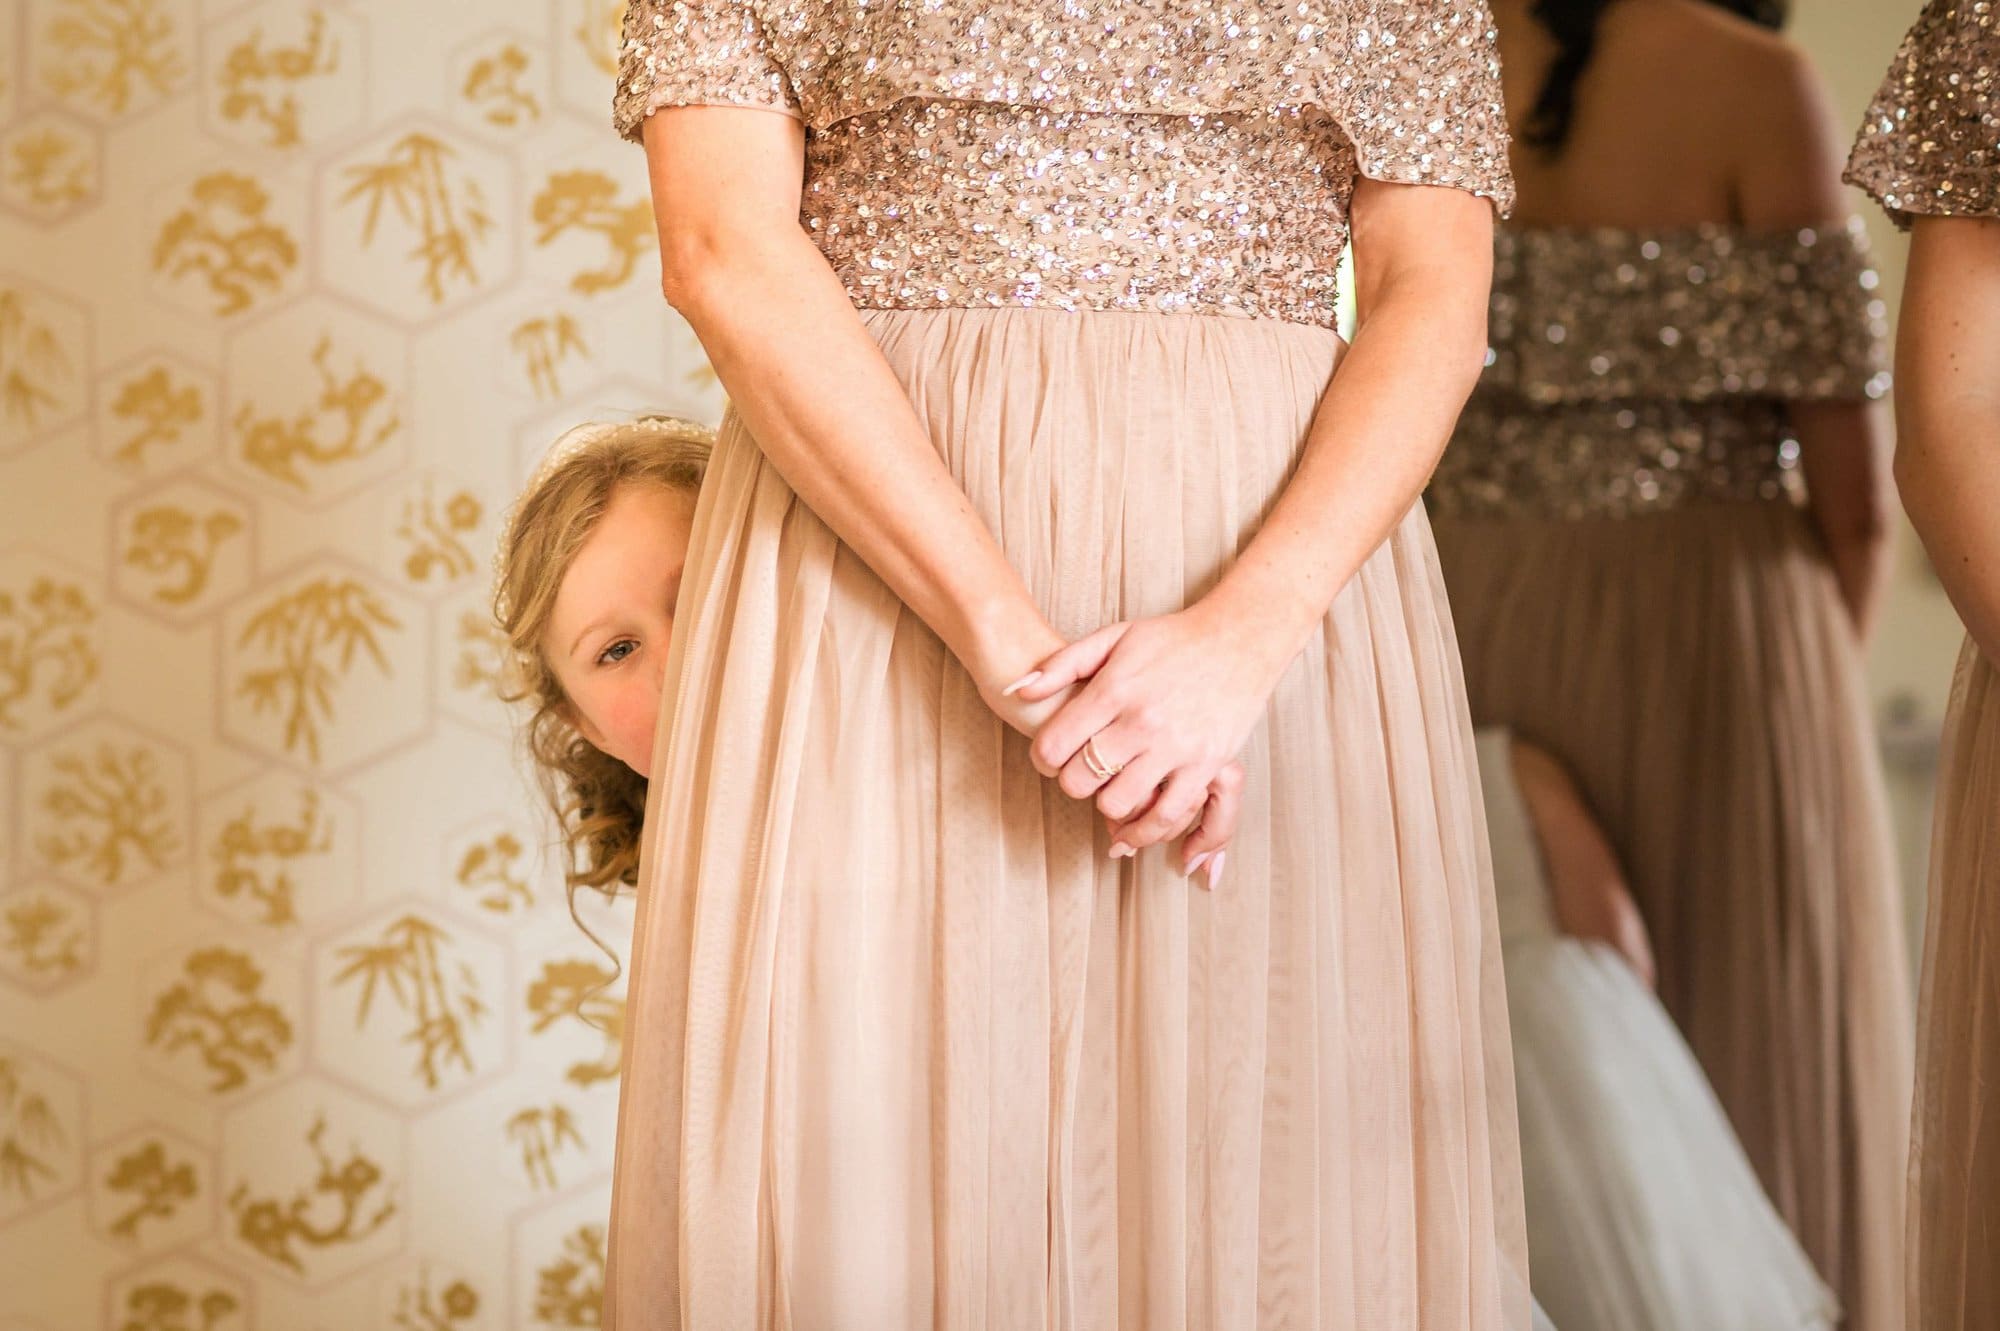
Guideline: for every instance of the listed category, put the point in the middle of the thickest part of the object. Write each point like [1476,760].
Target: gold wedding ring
[1100,769]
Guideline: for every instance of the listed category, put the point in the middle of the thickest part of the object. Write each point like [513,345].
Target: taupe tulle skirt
[1697,672]
[906,1050]
[1955,1208]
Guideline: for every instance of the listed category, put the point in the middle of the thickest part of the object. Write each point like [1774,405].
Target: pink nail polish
[1119,850]
[1194,865]
[1215,869]
[1021,683]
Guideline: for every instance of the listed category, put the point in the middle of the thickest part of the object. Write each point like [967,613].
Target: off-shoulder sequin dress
[905,1048]
[1930,147]
[1637,589]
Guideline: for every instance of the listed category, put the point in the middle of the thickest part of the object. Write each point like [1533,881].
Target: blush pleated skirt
[1955,1207]
[906,1050]
[1695,669]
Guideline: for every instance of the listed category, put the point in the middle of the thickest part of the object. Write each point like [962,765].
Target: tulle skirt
[906,1050]
[1696,672]
[1955,1208]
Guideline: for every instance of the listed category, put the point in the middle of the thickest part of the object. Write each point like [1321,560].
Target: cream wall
[290,298]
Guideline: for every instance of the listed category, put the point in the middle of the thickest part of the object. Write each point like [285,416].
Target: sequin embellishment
[1931,141]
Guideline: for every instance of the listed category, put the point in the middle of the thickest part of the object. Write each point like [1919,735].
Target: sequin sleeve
[1931,142]
[694,53]
[1421,96]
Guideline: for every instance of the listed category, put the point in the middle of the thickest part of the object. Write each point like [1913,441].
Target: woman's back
[1683,114]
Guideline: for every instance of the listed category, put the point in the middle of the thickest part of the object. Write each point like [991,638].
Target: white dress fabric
[1643,1212]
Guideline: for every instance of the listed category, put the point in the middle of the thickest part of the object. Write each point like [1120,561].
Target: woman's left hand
[1166,702]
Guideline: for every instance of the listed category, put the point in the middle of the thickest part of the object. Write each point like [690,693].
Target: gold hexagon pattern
[302,287]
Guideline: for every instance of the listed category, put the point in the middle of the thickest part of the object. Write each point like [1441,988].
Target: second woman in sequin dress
[907,1047]
[1641,586]
[1930,152]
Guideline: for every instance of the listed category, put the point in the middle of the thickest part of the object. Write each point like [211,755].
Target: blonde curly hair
[598,802]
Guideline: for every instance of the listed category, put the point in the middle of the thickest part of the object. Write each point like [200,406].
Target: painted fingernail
[1119,850]
[1215,869]
[1021,683]
[1194,865]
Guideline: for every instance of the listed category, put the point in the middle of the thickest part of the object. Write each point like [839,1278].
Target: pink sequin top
[1134,155]
[1931,142]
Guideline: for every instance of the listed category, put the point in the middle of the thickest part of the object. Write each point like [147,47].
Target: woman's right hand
[1588,894]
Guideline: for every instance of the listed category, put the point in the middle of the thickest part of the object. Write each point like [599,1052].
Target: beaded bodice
[1931,140]
[1136,155]
[1636,371]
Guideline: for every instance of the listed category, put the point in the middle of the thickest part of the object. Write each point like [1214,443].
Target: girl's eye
[617,651]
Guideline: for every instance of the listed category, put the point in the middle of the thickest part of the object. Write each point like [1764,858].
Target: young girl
[588,571]
[1643,1213]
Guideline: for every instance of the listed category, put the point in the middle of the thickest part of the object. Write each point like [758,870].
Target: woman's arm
[1789,176]
[1173,698]
[815,391]
[1588,894]
[1948,411]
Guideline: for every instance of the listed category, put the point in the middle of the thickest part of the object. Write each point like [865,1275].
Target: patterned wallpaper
[291,296]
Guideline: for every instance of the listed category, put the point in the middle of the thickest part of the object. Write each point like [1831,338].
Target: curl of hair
[1573,25]
[599,804]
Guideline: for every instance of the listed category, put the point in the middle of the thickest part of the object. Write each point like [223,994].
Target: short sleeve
[1421,96]
[1931,142]
[694,53]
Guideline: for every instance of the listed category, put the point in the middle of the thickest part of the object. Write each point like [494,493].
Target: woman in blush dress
[1930,152]
[1661,523]
[1027,315]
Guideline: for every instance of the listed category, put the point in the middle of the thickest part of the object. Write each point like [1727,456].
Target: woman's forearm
[1948,412]
[1377,435]
[1846,468]
[824,406]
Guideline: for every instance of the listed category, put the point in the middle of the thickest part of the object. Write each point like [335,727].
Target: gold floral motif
[441,1001]
[29,1130]
[158,1187]
[217,1010]
[436,535]
[44,636]
[339,1193]
[178,548]
[421,1308]
[160,409]
[32,361]
[283,448]
[482,652]
[573,988]
[599,25]
[160,1306]
[244,844]
[43,937]
[569,1291]
[113,811]
[50,169]
[309,639]
[493,84]
[415,178]
[110,49]
[257,82]
[587,201]
[543,343]
[541,1131]
[225,237]
[494,865]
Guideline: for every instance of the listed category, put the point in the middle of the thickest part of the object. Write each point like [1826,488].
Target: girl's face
[613,616]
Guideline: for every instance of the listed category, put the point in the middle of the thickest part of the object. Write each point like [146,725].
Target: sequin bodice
[1632,372]
[1133,155]
[1931,140]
